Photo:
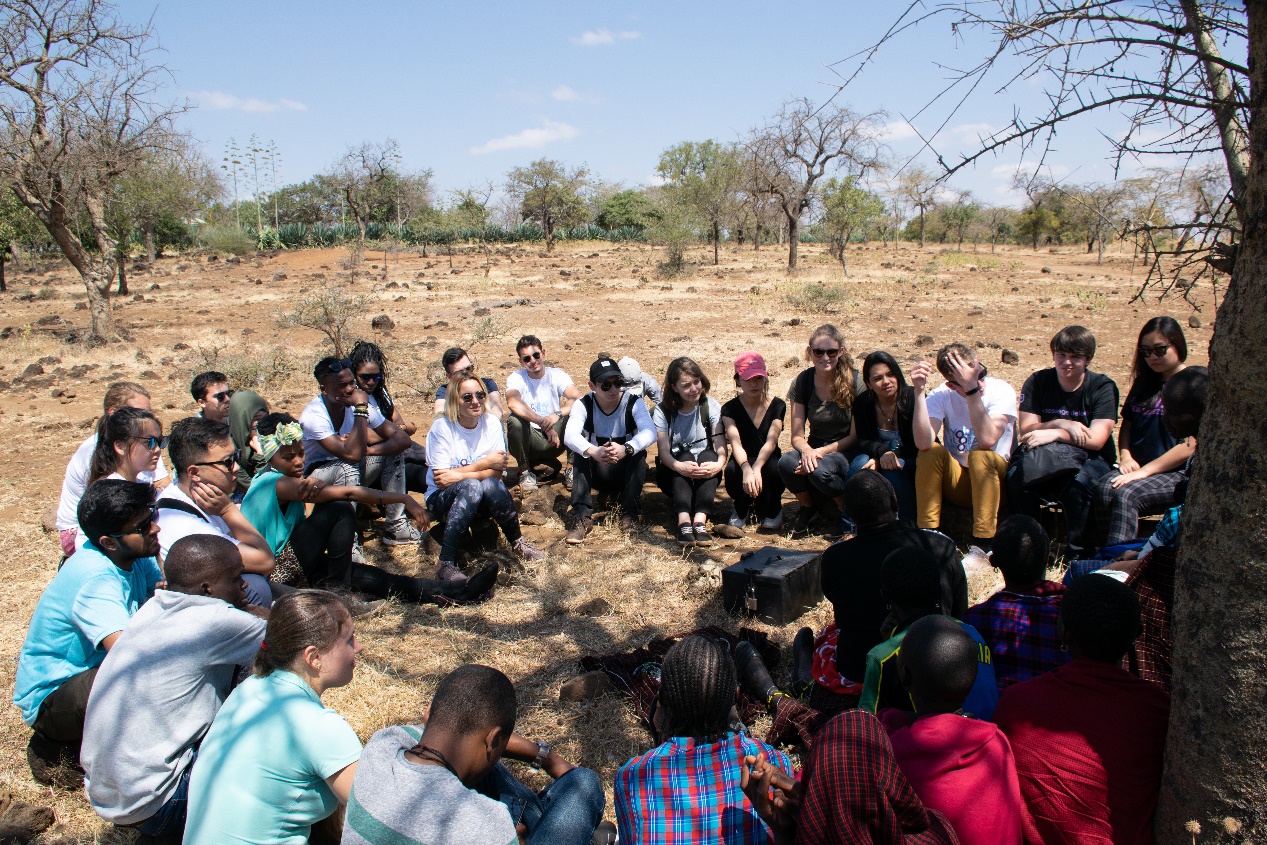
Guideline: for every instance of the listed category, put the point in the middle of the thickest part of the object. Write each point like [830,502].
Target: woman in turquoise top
[275,761]
[318,545]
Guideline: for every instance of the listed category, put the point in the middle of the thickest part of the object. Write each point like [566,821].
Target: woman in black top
[882,423]
[753,421]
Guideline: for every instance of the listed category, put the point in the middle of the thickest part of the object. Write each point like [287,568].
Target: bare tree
[799,145]
[919,186]
[366,173]
[78,109]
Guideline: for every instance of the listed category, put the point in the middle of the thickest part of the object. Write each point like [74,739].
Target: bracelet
[363,413]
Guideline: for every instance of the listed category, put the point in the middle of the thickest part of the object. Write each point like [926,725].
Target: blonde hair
[842,379]
[453,398]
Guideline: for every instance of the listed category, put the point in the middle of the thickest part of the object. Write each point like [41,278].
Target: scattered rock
[534,516]
[391,286]
[49,361]
[481,312]
[791,362]
[155,286]
[149,374]
[49,522]
[596,606]
[81,306]
[795,321]
[233,259]
[383,323]
[588,686]
[138,297]
[1046,270]
[509,365]
[728,531]
[22,822]
[49,320]
[1194,321]
[32,370]
[1010,357]
[56,393]
[279,276]
[179,346]
[924,340]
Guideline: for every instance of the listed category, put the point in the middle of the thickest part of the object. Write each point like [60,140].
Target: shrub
[225,239]
[817,297]
[330,310]
[255,369]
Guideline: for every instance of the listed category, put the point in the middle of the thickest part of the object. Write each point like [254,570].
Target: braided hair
[364,352]
[698,684]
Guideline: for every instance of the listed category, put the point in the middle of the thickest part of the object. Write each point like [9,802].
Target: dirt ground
[190,313]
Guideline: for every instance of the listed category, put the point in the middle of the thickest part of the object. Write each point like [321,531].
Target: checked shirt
[1020,629]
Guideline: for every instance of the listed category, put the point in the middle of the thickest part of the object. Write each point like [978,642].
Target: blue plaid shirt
[1020,629]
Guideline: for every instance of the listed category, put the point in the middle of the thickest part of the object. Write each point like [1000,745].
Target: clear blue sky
[472,89]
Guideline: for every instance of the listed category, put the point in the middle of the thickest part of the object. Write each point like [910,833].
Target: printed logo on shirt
[1064,412]
[964,438]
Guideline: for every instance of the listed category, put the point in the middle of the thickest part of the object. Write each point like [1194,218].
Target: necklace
[434,756]
[889,417]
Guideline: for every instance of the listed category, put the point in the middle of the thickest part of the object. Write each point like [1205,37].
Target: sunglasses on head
[612,384]
[339,366]
[151,443]
[142,527]
[478,396]
[825,353]
[535,356]
[227,464]
[1158,351]
[222,395]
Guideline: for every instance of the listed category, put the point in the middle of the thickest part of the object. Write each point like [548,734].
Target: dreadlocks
[698,685]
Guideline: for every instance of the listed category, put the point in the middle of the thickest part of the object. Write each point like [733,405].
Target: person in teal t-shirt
[275,760]
[320,544]
[78,619]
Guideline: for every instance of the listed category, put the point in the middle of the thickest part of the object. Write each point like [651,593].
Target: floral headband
[286,434]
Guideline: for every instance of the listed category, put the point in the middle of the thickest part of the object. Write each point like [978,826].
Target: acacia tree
[847,208]
[550,194]
[705,176]
[799,145]
[366,173]
[78,110]
[919,186]
[172,184]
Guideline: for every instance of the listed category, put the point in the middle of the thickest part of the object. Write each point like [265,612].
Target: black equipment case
[782,583]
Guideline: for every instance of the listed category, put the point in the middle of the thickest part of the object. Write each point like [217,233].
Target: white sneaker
[358,556]
[401,534]
[528,481]
[736,521]
[976,560]
[567,478]
[774,523]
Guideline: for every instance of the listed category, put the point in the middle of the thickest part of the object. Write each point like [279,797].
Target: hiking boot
[567,478]
[402,533]
[528,551]
[800,524]
[736,521]
[448,571]
[803,660]
[753,674]
[686,534]
[581,526]
[774,523]
[629,524]
[976,560]
[528,481]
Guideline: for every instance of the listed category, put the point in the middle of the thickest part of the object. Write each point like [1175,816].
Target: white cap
[633,375]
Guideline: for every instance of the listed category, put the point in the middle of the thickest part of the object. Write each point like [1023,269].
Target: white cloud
[529,139]
[220,101]
[566,94]
[897,131]
[598,37]
[970,131]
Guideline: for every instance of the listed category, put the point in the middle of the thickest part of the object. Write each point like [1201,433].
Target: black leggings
[769,501]
[689,495]
[323,545]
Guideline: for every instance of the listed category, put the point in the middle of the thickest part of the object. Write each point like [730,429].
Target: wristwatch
[629,450]
[973,392]
[543,751]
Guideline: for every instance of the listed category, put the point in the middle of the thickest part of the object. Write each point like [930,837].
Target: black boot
[802,661]
[753,675]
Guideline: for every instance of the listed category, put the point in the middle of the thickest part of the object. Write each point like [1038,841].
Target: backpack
[177,505]
[630,426]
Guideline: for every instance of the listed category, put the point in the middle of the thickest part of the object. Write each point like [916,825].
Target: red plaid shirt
[1020,629]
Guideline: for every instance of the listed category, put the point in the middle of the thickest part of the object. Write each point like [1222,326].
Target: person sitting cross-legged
[1020,621]
[159,687]
[944,753]
[443,783]
[1088,737]
[320,543]
[466,456]
[80,617]
[687,789]
[539,398]
[608,431]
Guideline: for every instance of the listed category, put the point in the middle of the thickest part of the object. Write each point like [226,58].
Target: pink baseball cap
[750,365]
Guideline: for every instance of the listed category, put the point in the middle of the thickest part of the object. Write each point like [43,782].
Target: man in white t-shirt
[335,426]
[976,416]
[120,394]
[203,456]
[539,398]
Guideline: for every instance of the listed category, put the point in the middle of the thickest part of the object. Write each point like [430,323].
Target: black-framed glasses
[825,353]
[226,464]
[222,396]
[478,396]
[980,377]
[339,365]
[142,527]
[612,384]
[1158,351]
[371,377]
[536,356]
[151,443]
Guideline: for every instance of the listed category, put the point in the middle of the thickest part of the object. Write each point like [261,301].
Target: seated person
[687,789]
[608,432]
[336,428]
[160,686]
[1067,403]
[1152,463]
[911,587]
[276,761]
[640,384]
[1020,621]
[445,784]
[211,391]
[119,394]
[540,399]
[466,456]
[79,618]
[947,756]
[753,421]
[320,543]
[454,360]
[246,409]
[976,417]
[851,791]
[691,449]
[883,416]
[1088,737]
[129,447]
[386,463]
[821,404]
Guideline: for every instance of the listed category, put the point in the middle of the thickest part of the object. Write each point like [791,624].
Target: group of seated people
[132,670]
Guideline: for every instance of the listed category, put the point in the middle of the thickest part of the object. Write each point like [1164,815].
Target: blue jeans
[565,813]
[457,505]
[170,818]
[903,485]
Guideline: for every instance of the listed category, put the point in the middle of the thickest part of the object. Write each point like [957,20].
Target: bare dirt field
[190,314]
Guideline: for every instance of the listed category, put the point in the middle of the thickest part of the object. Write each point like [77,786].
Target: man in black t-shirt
[1068,404]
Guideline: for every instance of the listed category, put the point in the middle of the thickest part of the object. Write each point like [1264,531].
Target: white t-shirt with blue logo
[450,444]
[543,395]
[951,410]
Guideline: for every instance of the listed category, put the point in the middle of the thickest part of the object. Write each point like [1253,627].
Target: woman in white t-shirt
[129,442]
[692,449]
[466,456]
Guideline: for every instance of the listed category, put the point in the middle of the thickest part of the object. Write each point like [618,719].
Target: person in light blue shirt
[79,617]
[275,760]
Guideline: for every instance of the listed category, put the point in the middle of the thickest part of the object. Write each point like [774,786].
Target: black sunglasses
[611,384]
[371,377]
[142,527]
[825,353]
[980,376]
[339,365]
[479,395]
[227,464]
[533,357]
[222,395]
[1158,351]
[151,443]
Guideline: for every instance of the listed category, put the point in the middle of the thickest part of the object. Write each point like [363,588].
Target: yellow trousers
[939,476]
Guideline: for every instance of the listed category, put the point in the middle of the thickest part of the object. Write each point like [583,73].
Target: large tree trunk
[921,227]
[793,225]
[150,253]
[1218,733]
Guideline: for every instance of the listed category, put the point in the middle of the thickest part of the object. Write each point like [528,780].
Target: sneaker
[686,534]
[736,521]
[448,571]
[528,551]
[702,537]
[358,554]
[581,526]
[629,524]
[567,478]
[800,523]
[976,560]
[402,533]
[528,481]
[774,523]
